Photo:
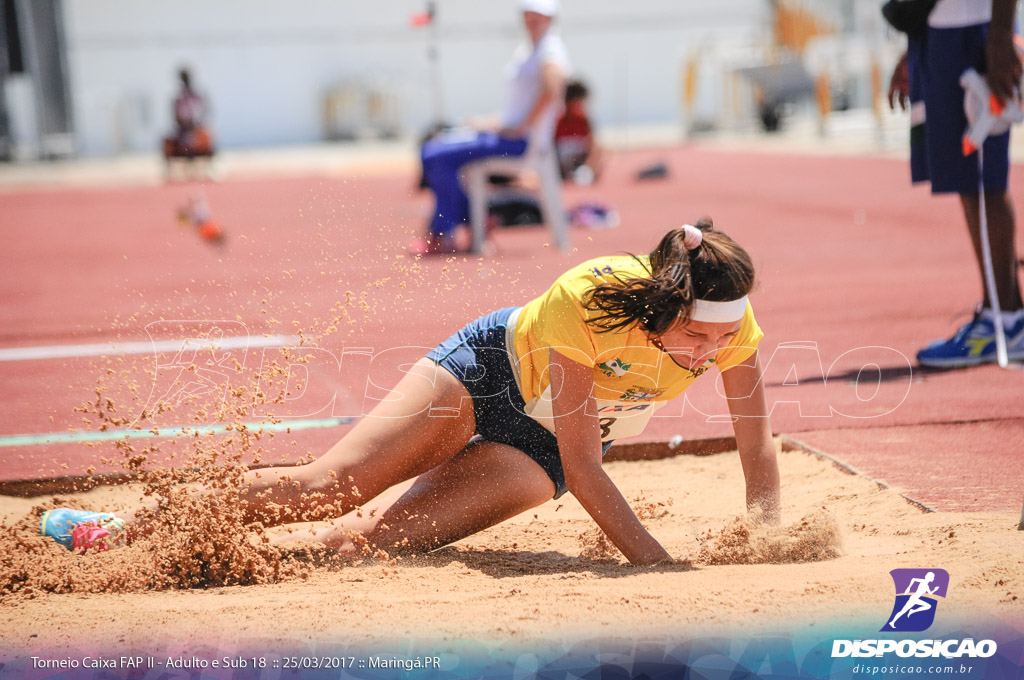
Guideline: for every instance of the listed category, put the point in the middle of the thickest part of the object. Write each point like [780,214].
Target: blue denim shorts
[478,357]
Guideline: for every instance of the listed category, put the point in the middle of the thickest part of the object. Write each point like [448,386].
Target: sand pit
[533,581]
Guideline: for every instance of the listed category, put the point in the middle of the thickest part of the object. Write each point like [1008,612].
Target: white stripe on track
[110,435]
[143,347]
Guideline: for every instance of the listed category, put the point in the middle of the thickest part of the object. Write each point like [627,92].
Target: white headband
[719,312]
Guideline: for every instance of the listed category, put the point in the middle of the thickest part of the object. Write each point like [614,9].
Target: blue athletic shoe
[83,530]
[973,344]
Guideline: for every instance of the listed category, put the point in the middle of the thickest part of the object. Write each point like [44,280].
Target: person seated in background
[579,157]
[191,138]
[536,82]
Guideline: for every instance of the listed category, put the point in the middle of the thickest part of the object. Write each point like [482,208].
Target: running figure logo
[916,593]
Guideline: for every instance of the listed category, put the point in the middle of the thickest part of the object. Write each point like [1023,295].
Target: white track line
[110,435]
[144,347]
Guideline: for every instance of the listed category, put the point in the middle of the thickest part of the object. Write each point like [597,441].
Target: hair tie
[692,237]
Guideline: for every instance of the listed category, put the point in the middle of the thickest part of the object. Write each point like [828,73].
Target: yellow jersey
[632,377]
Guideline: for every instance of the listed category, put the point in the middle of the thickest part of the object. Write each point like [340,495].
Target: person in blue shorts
[520,405]
[964,34]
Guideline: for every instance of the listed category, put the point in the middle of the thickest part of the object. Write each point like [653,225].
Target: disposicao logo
[917,593]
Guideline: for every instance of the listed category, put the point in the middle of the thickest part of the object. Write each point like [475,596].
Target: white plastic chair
[540,158]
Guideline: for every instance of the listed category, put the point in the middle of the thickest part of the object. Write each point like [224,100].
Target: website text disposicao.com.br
[902,670]
[952,652]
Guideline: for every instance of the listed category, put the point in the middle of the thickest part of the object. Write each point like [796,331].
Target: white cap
[548,8]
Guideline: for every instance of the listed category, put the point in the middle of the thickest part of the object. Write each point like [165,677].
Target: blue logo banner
[803,655]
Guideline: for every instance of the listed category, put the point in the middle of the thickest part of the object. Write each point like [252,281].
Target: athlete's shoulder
[750,333]
[748,324]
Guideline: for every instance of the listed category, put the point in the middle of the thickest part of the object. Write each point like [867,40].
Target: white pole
[986,257]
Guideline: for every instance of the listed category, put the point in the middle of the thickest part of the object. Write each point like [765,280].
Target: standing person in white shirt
[964,34]
[536,83]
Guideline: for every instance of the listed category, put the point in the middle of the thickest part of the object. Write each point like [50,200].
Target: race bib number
[617,419]
[620,419]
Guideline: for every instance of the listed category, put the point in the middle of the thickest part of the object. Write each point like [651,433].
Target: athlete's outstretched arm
[579,442]
[744,388]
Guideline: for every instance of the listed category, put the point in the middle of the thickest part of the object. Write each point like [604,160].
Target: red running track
[856,271]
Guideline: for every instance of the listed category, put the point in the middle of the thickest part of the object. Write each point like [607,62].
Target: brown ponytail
[718,270]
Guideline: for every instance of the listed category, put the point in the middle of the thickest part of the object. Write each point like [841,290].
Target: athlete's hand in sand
[656,558]
[744,388]
[765,511]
